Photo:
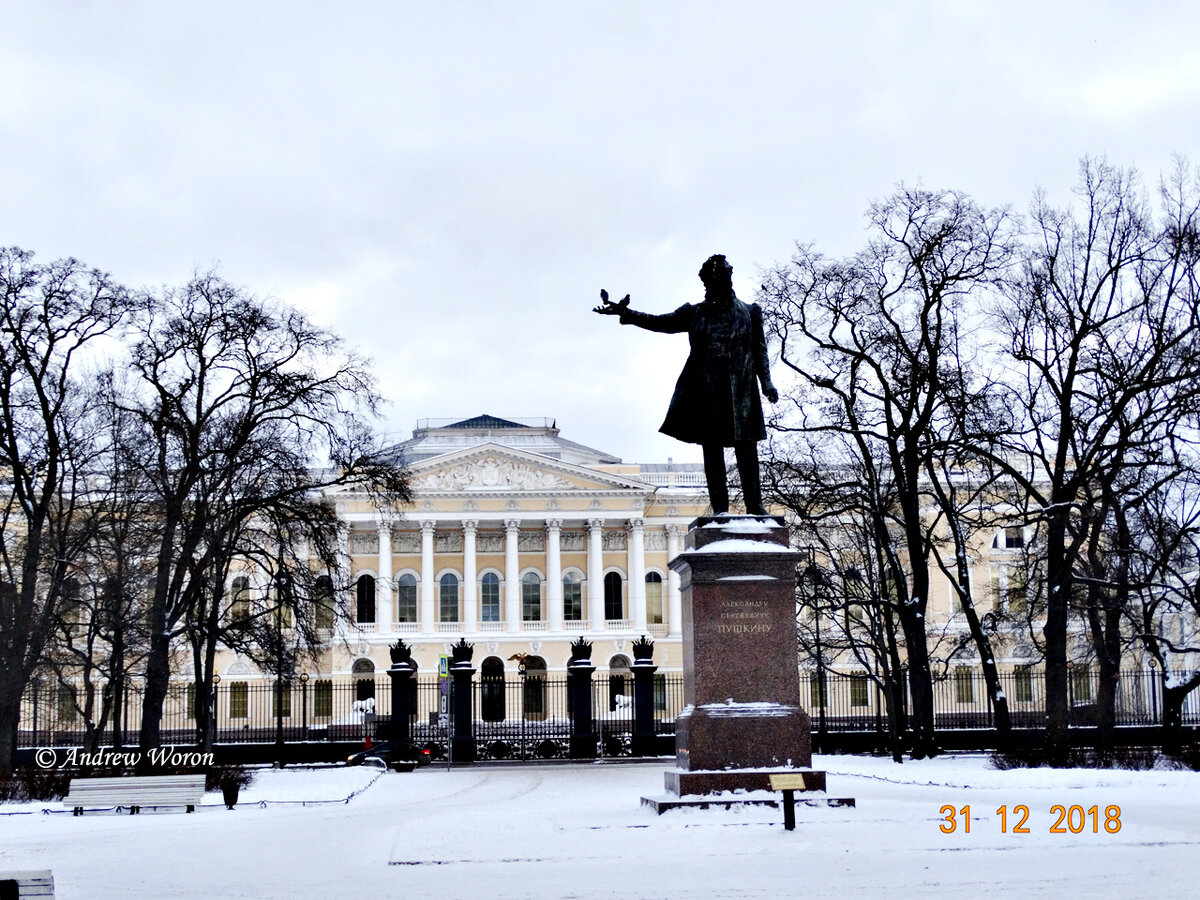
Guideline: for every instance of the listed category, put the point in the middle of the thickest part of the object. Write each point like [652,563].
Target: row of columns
[594,612]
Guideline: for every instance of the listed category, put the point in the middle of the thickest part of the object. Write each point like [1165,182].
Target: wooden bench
[34,883]
[135,791]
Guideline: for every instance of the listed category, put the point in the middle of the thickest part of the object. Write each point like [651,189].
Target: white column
[428,587]
[384,587]
[637,575]
[341,577]
[512,577]
[470,580]
[554,587]
[595,574]
[674,598]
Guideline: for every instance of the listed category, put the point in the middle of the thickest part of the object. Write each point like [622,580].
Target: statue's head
[717,275]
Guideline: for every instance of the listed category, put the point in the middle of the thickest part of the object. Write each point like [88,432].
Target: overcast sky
[449,185]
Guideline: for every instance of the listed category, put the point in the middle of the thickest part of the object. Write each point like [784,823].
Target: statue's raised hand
[608,308]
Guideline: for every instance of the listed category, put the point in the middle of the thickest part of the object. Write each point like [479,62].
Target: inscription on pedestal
[741,683]
[744,617]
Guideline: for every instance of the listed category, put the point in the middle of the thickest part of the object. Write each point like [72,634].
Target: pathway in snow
[578,831]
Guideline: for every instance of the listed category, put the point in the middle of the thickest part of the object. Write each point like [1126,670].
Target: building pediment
[492,468]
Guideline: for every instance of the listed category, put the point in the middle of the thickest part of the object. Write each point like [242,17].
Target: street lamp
[304,702]
[282,584]
[216,680]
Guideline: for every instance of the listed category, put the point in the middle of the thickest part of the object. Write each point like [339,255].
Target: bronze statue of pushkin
[716,402]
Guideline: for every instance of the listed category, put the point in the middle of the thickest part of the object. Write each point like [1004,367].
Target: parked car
[406,757]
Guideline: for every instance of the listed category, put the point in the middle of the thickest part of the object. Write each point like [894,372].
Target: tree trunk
[920,684]
[1058,592]
[10,720]
[1174,697]
[158,679]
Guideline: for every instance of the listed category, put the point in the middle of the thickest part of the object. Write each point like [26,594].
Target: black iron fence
[961,700]
[513,718]
[531,718]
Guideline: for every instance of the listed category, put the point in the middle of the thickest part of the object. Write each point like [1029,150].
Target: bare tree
[873,340]
[1099,355]
[51,316]
[237,399]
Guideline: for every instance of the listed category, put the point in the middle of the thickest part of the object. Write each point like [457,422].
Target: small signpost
[789,783]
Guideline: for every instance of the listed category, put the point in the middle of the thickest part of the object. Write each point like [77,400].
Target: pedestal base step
[661,804]
[684,782]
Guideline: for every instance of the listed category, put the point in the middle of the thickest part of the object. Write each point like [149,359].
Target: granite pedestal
[742,721]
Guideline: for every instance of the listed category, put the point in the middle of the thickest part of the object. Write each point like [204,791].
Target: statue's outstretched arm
[669,323]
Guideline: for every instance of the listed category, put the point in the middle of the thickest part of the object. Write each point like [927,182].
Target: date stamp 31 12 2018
[1074,819]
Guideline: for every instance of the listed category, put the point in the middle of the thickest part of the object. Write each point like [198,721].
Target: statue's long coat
[716,399]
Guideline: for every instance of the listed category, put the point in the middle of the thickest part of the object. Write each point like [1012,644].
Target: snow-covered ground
[579,831]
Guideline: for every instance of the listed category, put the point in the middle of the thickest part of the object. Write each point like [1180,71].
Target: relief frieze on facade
[613,540]
[363,542]
[492,474]
[406,542]
[448,542]
[489,542]
[572,541]
[531,542]
[656,540]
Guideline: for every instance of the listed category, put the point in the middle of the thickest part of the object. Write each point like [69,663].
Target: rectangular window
[448,600]
[239,700]
[1023,684]
[489,599]
[239,610]
[1081,683]
[964,684]
[65,704]
[281,698]
[531,600]
[572,600]
[324,614]
[534,692]
[1014,537]
[660,692]
[858,690]
[614,597]
[814,691]
[323,698]
[406,600]
[654,599]
[1018,595]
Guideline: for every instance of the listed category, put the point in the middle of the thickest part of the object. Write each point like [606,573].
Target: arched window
[572,597]
[620,684]
[406,598]
[531,597]
[489,599]
[534,693]
[364,672]
[364,608]
[239,609]
[323,603]
[448,598]
[654,598]
[491,689]
[614,601]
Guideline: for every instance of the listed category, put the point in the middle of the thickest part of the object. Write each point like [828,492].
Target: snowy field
[578,831]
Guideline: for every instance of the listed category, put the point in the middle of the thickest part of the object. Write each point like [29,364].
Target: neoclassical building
[519,541]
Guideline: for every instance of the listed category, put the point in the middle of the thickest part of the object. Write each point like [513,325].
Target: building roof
[435,437]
